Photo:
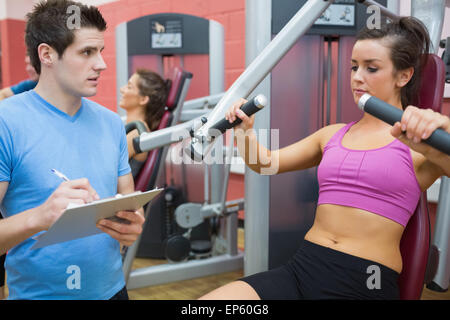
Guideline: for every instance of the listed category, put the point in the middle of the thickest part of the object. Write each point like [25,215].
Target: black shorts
[121,295]
[316,272]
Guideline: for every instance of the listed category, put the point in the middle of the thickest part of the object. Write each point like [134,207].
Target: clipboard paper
[80,221]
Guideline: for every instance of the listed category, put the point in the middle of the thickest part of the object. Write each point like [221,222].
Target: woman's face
[373,72]
[130,94]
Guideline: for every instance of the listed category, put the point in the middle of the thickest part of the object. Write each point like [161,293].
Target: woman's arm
[6,93]
[130,136]
[419,124]
[303,154]
[131,151]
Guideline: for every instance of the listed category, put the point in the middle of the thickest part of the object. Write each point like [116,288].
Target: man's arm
[6,93]
[125,233]
[21,226]
[15,229]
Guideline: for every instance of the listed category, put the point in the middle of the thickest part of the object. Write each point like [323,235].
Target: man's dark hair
[49,23]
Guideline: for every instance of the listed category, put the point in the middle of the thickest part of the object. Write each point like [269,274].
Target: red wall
[13,51]
[230,13]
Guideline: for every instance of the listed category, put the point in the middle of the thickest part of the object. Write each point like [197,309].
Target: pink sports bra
[379,180]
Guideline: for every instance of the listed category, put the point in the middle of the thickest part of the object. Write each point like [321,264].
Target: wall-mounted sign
[166,33]
[338,15]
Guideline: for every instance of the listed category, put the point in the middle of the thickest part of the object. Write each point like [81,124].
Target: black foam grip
[139,125]
[250,107]
[439,139]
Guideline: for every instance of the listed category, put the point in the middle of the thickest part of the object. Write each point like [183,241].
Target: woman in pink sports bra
[370,178]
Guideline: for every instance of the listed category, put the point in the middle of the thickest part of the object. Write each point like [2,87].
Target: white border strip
[17,9]
[97,3]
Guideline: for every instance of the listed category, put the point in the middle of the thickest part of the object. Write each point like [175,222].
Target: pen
[62,176]
[59,174]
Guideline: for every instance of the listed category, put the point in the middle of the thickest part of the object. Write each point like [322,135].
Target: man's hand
[124,232]
[75,191]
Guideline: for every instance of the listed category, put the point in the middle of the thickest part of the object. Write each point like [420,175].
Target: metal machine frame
[229,257]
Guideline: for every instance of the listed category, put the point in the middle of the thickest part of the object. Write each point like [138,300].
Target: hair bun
[418,32]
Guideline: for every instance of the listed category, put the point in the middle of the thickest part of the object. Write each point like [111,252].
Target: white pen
[59,174]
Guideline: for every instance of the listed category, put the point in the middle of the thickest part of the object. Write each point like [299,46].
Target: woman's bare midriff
[359,233]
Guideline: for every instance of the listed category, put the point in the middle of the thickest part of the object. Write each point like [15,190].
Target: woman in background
[144,98]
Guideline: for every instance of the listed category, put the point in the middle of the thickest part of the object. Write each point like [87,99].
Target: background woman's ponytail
[408,40]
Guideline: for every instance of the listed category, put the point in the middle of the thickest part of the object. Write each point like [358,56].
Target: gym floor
[195,288]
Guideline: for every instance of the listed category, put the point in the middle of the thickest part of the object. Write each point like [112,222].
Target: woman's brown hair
[409,41]
[156,88]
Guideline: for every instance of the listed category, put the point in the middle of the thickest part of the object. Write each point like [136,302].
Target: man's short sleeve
[6,154]
[23,86]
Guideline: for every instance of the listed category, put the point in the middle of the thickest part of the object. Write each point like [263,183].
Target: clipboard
[80,221]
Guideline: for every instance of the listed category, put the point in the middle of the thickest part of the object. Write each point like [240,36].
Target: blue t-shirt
[34,138]
[23,86]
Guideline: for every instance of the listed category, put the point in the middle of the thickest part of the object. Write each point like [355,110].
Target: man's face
[79,68]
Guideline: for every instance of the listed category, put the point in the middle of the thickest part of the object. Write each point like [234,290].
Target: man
[22,86]
[55,127]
